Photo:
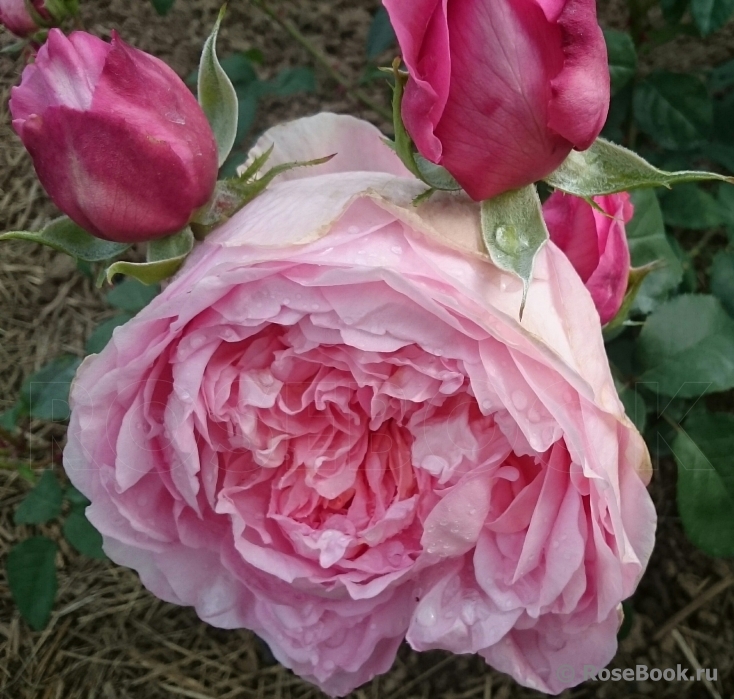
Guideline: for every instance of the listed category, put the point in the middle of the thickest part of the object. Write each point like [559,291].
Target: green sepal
[217,95]
[514,231]
[435,176]
[607,168]
[164,258]
[64,235]
[58,9]
[232,194]
[637,275]
[403,144]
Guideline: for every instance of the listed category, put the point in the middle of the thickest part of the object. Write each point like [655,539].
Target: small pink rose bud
[595,243]
[500,91]
[118,141]
[16,18]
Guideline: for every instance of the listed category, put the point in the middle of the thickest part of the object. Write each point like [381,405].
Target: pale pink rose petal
[334,416]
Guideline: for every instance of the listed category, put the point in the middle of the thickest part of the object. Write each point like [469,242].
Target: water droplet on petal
[519,400]
[397,249]
[426,616]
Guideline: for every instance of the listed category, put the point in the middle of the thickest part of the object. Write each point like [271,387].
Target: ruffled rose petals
[330,428]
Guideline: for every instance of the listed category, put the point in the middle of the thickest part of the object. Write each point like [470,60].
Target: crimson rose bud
[118,141]
[500,91]
[15,17]
[596,244]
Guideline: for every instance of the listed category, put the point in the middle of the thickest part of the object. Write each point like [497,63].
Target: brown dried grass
[109,638]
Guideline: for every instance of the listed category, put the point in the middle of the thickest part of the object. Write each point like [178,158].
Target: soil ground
[110,639]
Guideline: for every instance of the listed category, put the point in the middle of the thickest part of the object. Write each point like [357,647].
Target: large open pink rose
[331,428]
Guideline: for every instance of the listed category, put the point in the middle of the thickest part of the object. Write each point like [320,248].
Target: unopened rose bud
[16,18]
[596,244]
[118,141]
[500,91]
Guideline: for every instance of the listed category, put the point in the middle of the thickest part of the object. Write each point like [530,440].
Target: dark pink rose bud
[595,243]
[16,18]
[500,91]
[118,141]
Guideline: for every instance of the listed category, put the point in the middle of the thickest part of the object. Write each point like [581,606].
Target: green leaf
[618,117]
[45,394]
[622,58]
[686,347]
[689,283]
[80,533]
[691,207]
[606,168]
[31,569]
[217,95]
[43,503]
[131,296]
[710,15]
[291,81]
[229,169]
[75,497]
[674,109]
[722,279]
[706,481]
[723,130]
[9,418]
[648,243]
[254,55]
[164,258]
[248,101]
[722,76]
[239,69]
[673,10]
[725,199]
[513,230]
[634,405]
[163,7]
[381,35]
[102,334]
[370,74]
[65,236]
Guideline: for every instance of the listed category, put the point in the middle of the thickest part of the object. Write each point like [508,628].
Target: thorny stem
[323,60]
[705,240]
